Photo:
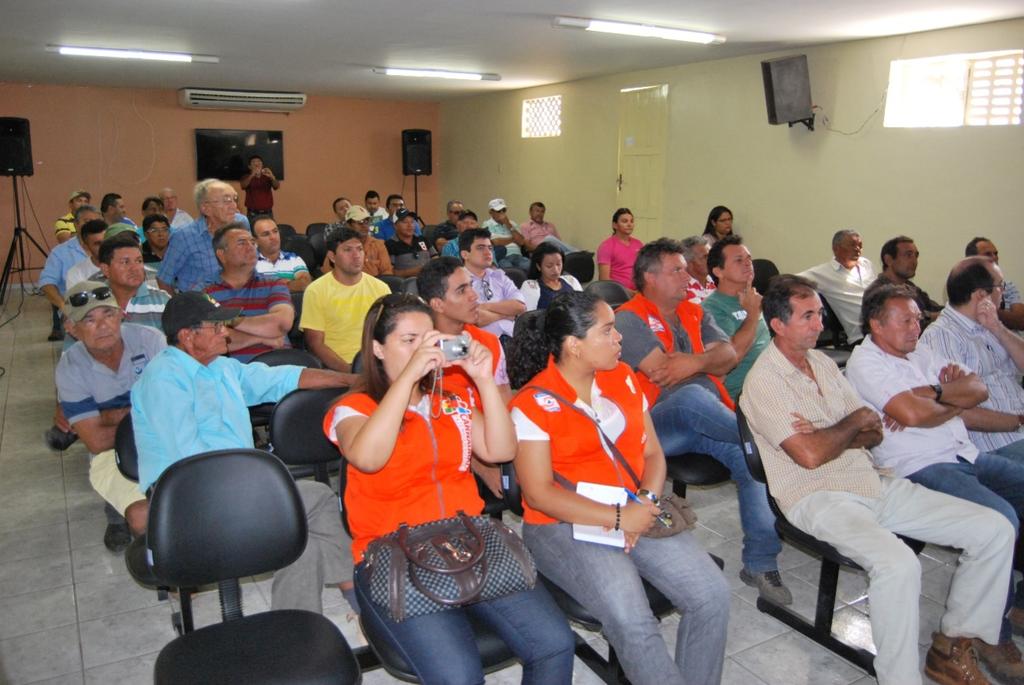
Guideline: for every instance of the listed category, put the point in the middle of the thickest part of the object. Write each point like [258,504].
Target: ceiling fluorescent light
[639,30]
[131,54]
[436,73]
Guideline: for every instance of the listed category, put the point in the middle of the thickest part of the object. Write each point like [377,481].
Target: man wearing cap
[266,304]
[272,262]
[179,217]
[505,234]
[190,263]
[192,399]
[409,252]
[64,227]
[55,271]
[94,379]
[335,304]
[447,230]
[376,260]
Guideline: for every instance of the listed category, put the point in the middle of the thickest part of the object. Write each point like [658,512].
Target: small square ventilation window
[542,117]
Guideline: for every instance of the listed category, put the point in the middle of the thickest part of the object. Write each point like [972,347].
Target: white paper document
[605,494]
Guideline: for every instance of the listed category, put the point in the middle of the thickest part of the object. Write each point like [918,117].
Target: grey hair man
[843,279]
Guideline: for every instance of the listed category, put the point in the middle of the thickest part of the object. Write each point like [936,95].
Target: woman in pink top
[615,256]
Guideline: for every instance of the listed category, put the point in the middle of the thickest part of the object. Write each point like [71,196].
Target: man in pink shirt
[537,231]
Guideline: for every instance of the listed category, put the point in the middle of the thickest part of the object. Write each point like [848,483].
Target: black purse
[449,563]
[677,514]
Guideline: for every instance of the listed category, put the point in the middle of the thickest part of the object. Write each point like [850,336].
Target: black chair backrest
[516,275]
[286,231]
[611,292]
[299,244]
[396,283]
[223,515]
[316,227]
[318,242]
[764,271]
[750,451]
[296,427]
[833,333]
[581,265]
[295,336]
[410,286]
[288,357]
[357,362]
[125,454]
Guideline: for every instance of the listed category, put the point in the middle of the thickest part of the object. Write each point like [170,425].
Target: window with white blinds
[981,89]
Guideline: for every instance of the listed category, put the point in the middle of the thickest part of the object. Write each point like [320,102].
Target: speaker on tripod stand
[16,161]
[416,159]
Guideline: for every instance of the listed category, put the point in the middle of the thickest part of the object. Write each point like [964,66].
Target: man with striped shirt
[273,262]
[813,433]
[266,305]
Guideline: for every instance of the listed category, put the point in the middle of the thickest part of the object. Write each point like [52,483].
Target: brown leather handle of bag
[476,550]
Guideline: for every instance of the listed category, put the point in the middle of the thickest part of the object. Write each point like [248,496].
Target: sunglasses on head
[79,299]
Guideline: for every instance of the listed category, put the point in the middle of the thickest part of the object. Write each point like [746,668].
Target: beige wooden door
[643,138]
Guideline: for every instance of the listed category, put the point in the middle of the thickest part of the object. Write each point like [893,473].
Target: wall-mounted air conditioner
[250,100]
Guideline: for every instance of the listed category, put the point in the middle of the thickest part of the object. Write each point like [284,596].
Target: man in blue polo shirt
[94,378]
[60,259]
[208,395]
[189,262]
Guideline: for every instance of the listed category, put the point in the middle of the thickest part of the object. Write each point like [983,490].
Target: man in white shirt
[843,280]
[920,396]
[273,262]
[179,217]
[92,234]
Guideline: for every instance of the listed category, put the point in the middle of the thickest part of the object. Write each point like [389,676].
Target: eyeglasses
[79,299]
[158,231]
[217,326]
[231,200]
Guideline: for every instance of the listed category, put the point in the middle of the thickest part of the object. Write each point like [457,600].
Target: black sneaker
[118,537]
[59,440]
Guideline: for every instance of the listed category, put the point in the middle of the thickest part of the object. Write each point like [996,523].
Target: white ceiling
[329,46]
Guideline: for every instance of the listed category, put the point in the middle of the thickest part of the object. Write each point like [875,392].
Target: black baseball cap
[403,212]
[189,309]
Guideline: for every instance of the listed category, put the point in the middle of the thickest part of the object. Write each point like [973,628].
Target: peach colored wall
[135,141]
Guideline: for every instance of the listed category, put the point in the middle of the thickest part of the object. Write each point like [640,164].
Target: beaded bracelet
[618,515]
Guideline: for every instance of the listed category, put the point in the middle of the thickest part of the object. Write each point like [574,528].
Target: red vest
[690,316]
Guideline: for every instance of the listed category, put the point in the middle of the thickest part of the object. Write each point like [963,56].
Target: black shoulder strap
[608,444]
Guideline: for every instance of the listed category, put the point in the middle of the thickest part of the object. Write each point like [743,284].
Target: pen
[632,496]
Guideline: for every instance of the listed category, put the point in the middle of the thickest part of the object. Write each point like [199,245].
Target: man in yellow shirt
[64,227]
[334,305]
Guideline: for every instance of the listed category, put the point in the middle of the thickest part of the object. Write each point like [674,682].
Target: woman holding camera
[582,420]
[408,447]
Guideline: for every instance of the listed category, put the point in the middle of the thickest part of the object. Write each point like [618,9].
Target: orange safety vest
[690,316]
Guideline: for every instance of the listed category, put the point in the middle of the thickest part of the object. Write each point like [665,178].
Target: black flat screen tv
[224,153]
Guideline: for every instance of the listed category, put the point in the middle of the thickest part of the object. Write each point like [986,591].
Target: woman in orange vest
[408,450]
[582,423]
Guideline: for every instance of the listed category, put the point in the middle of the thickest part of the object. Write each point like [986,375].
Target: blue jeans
[515,261]
[607,581]
[1014,451]
[693,419]
[441,647]
[992,481]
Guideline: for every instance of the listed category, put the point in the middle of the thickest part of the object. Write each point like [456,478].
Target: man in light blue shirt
[59,261]
[190,263]
[192,399]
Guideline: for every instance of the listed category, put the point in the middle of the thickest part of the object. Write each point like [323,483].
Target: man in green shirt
[736,306]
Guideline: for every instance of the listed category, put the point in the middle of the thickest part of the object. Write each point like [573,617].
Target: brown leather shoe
[1004,661]
[953,661]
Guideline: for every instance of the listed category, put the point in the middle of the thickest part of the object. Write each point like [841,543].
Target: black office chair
[764,271]
[832,339]
[286,231]
[611,292]
[820,630]
[297,436]
[694,468]
[299,244]
[410,286]
[494,653]
[224,515]
[581,265]
[518,276]
[396,283]
[259,415]
[295,336]
[318,242]
[316,227]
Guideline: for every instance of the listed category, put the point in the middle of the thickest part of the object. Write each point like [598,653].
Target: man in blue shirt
[192,399]
[190,263]
[60,259]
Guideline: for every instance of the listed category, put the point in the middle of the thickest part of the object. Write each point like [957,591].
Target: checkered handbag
[448,563]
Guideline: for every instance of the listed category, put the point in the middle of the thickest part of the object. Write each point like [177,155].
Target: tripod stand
[16,262]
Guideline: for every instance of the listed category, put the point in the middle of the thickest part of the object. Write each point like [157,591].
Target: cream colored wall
[790,189]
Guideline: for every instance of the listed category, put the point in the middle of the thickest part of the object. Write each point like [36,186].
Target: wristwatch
[937,389]
[644,492]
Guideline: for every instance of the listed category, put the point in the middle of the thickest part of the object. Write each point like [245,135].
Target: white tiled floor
[69,613]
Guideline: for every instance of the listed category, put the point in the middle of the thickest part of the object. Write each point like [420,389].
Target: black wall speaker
[787,89]
[15,147]
[416,152]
